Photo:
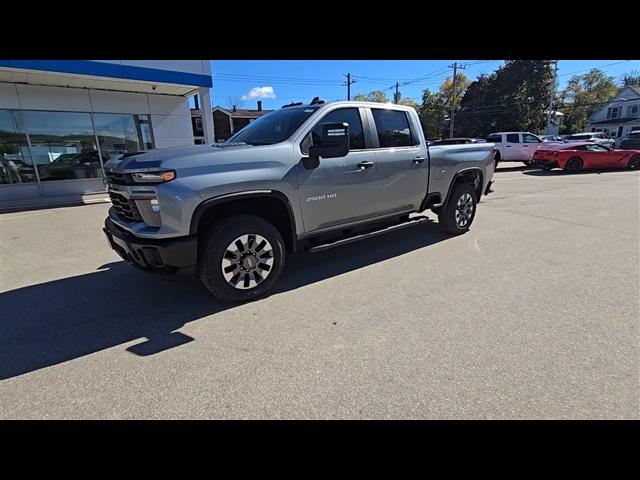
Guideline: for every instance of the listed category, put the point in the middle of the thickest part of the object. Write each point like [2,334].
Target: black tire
[449,221]
[634,163]
[573,165]
[528,163]
[214,246]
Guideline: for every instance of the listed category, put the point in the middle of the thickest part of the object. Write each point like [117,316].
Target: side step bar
[355,238]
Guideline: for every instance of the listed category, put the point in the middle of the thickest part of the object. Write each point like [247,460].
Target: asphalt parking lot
[532,314]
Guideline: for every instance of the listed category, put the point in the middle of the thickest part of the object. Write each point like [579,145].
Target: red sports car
[576,156]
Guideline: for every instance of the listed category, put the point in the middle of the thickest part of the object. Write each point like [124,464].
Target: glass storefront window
[16,165]
[120,134]
[63,145]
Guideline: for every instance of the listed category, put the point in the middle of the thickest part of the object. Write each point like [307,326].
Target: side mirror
[335,141]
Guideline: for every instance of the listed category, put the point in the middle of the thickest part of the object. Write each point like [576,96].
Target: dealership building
[61,120]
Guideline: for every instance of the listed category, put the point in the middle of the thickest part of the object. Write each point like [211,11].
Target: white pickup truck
[515,146]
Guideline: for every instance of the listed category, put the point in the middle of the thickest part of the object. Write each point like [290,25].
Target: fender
[215,201]
[460,174]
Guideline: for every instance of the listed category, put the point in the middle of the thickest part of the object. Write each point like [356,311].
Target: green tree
[583,96]
[446,89]
[410,102]
[515,97]
[432,114]
[630,79]
[375,96]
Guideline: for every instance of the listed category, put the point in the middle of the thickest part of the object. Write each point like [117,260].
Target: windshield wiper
[260,142]
[227,144]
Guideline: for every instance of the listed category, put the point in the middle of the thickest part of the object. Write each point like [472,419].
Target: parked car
[632,141]
[457,141]
[593,137]
[578,156]
[515,146]
[551,138]
[311,177]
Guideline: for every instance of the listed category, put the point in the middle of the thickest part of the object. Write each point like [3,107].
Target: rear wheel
[574,165]
[457,215]
[634,163]
[241,258]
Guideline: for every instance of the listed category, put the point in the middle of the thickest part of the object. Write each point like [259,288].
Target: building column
[207,115]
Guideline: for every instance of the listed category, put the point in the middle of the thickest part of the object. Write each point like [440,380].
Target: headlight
[153,177]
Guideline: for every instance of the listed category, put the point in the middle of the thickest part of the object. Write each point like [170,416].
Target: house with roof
[226,121]
[619,116]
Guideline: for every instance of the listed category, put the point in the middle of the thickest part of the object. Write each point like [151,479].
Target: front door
[337,190]
[530,143]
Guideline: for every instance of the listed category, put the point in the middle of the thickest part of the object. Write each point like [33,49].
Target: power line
[592,68]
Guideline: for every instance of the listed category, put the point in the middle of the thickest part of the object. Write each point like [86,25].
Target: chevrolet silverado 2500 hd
[308,176]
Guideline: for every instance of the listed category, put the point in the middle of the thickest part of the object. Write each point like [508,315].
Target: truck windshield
[274,127]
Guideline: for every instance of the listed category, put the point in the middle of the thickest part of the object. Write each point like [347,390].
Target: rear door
[401,159]
[512,147]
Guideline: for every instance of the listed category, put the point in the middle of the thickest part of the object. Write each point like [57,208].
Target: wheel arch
[473,176]
[271,205]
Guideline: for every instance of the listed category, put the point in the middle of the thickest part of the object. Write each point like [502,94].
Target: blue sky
[301,80]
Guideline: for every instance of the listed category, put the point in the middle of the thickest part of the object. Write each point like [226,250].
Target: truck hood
[184,157]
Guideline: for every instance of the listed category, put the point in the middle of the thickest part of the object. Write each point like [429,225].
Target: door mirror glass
[334,141]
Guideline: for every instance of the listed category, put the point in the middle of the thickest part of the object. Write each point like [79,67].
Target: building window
[16,165]
[632,110]
[63,145]
[613,112]
[198,123]
[118,133]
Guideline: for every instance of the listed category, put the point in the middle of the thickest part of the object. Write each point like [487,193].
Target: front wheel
[241,258]
[457,215]
[634,163]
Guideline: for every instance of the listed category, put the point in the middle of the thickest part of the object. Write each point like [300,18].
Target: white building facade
[60,121]
[619,117]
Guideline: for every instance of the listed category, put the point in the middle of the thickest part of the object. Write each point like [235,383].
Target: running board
[355,238]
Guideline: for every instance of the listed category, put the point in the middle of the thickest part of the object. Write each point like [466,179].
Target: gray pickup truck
[310,177]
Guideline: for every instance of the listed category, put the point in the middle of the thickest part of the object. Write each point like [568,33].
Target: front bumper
[150,255]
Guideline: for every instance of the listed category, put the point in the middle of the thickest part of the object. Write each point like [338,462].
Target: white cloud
[257,93]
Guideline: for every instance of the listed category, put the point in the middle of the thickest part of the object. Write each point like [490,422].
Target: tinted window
[579,137]
[494,138]
[393,128]
[513,138]
[528,138]
[348,115]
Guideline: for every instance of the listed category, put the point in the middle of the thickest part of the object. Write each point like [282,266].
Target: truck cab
[515,146]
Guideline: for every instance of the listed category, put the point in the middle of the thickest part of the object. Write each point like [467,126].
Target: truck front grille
[125,208]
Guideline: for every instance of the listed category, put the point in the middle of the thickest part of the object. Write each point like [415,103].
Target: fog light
[155,206]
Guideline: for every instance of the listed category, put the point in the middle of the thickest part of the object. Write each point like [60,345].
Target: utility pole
[455,67]
[395,97]
[552,97]
[348,84]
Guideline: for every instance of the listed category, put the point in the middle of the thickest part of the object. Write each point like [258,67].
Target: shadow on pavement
[558,172]
[50,323]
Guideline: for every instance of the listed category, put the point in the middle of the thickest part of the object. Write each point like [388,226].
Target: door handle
[419,160]
[365,164]
[508,146]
